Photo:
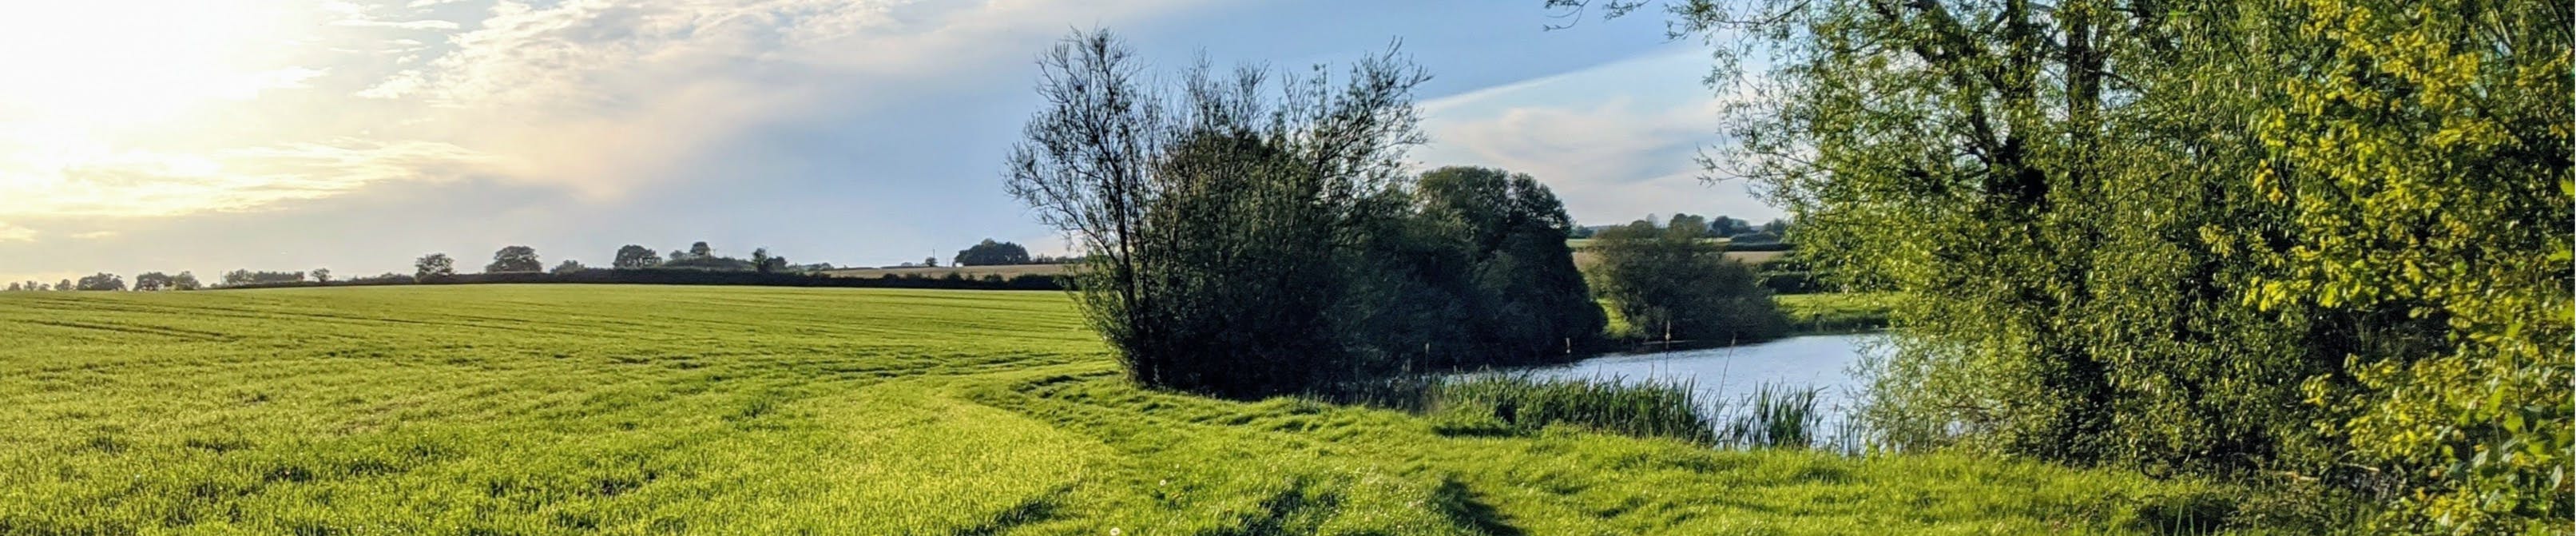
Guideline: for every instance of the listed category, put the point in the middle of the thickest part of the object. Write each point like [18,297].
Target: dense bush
[1671,284]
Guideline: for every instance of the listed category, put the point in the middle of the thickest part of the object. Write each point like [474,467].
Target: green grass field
[577,409]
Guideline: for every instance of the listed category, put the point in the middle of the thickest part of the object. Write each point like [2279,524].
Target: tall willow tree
[2318,238]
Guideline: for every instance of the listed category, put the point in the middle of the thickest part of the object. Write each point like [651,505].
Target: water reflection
[1723,376]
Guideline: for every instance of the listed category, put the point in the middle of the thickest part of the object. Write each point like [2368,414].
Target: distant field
[1838,311]
[581,409]
[1585,258]
[971,272]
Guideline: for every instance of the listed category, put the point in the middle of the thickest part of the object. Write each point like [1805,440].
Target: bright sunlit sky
[210,135]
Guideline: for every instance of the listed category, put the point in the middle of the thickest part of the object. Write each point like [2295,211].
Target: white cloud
[1616,141]
[429,24]
[13,233]
[143,183]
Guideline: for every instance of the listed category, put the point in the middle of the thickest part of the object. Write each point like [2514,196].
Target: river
[1723,376]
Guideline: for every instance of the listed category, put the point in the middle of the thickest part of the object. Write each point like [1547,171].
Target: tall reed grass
[1648,408]
[1771,416]
[1774,416]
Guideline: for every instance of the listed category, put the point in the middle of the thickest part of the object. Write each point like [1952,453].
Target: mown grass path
[539,409]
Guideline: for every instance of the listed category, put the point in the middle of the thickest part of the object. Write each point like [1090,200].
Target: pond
[1724,376]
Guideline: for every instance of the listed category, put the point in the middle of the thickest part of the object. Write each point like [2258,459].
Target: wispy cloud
[430,24]
[1616,141]
[13,233]
[144,184]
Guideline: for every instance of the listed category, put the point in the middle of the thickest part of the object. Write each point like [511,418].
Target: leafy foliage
[151,281]
[1252,233]
[2318,238]
[251,277]
[633,256]
[511,259]
[991,253]
[1671,282]
[433,266]
[102,281]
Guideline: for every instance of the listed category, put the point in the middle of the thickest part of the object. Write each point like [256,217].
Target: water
[1724,376]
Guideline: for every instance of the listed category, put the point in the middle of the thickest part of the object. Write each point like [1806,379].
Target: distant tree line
[1734,230]
[693,276]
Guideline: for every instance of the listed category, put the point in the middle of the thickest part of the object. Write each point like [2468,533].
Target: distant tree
[633,256]
[1777,227]
[777,264]
[930,261]
[1723,227]
[1669,282]
[384,278]
[677,255]
[1578,232]
[991,253]
[568,266]
[760,260]
[321,275]
[151,281]
[431,266]
[184,281]
[514,259]
[102,281]
[65,284]
[247,277]
[700,249]
[13,287]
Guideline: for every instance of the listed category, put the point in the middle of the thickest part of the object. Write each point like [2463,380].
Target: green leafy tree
[991,253]
[321,275]
[1233,191]
[634,256]
[184,281]
[433,266]
[514,259]
[1526,298]
[65,284]
[102,281]
[151,281]
[568,266]
[2298,238]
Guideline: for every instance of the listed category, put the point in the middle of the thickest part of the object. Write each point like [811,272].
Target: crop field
[583,409]
[970,272]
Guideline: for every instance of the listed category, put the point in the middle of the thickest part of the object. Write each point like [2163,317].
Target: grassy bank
[1837,312]
[577,409]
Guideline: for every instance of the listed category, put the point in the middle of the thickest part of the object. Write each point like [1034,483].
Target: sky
[212,135]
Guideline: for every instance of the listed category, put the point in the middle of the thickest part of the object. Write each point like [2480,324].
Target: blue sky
[291,134]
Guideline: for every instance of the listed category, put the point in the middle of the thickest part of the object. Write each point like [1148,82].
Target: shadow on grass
[1461,505]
